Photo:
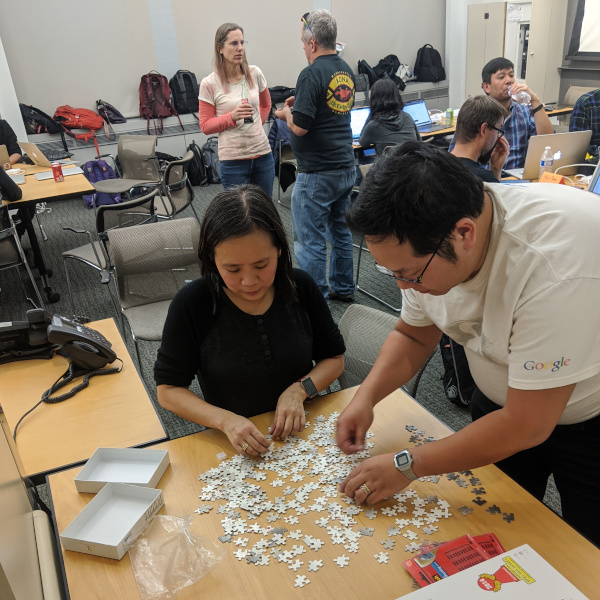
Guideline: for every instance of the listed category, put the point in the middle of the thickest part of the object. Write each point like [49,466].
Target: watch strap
[534,110]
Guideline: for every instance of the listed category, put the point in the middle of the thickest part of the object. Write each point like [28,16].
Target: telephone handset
[84,346]
[41,335]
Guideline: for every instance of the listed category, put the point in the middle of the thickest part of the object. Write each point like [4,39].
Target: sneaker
[334,296]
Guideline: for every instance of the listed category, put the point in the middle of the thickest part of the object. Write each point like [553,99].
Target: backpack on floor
[428,66]
[210,152]
[196,167]
[99,170]
[155,100]
[458,382]
[79,118]
[365,68]
[184,87]
[37,121]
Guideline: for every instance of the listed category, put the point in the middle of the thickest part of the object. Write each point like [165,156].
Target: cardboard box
[113,520]
[134,466]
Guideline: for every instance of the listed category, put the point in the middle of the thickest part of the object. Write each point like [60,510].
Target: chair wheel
[53,297]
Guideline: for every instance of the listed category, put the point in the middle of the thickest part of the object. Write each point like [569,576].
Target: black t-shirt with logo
[324,97]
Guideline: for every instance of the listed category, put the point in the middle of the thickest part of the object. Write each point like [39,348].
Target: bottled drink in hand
[521,97]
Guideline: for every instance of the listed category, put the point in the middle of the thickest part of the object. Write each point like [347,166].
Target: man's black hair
[495,65]
[416,193]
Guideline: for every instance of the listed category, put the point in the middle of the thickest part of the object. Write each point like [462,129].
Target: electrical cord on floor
[66,378]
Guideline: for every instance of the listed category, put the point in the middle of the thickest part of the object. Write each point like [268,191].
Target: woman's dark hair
[236,212]
[385,99]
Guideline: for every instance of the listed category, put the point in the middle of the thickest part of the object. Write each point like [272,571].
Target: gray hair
[323,27]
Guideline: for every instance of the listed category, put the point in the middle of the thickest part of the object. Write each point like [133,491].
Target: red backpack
[155,100]
[79,118]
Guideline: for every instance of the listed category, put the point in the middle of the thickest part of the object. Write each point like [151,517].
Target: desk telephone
[41,336]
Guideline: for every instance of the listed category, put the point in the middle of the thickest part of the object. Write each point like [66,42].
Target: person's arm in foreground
[240,430]
[402,355]
[527,419]
[289,414]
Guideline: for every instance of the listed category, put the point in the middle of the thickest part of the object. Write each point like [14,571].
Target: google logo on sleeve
[553,366]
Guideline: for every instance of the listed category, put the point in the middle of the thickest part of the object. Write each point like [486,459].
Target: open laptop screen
[358,118]
[417,109]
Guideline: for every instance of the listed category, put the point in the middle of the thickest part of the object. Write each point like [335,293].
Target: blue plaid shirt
[519,127]
[586,115]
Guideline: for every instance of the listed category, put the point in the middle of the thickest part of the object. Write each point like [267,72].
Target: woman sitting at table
[250,328]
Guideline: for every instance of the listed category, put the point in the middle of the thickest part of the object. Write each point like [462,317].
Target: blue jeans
[260,171]
[320,201]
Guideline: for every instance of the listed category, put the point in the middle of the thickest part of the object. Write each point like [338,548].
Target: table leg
[27,216]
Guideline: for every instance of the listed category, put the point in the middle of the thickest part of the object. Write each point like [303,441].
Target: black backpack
[458,382]
[210,153]
[184,87]
[428,66]
[280,93]
[197,169]
[37,121]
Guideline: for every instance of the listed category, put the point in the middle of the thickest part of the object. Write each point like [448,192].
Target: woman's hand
[244,436]
[242,111]
[289,414]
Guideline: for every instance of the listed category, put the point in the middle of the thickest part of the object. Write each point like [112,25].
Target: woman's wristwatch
[308,386]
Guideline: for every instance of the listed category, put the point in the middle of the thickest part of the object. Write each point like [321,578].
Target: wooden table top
[92,577]
[48,189]
[114,410]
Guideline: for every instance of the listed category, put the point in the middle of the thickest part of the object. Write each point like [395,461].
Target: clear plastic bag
[167,558]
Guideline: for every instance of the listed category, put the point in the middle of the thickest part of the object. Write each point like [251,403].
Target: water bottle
[546,161]
[521,97]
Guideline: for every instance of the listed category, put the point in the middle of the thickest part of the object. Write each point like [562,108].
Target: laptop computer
[594,185]
[38,157]
[418,110]
[4,156]
[569,148]
[18,179]
[358,118]
[66,172]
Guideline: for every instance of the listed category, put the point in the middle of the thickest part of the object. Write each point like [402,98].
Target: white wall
[77,52]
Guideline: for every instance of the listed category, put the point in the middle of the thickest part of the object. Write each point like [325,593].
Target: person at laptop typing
[388,124]
[479,138]
[8,138]
[498,81]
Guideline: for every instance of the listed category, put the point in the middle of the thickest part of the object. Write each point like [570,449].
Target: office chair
[95,253]
[138,165]
[364,330]
[12,255]
[176,191]
[151,262]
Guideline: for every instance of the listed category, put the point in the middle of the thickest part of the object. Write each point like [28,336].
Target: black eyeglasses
[419,279]
[501,132]
[304,20]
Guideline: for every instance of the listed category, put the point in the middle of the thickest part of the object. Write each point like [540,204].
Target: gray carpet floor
[92,300]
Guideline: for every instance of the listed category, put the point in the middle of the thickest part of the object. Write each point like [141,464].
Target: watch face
[402,460]
[309,387]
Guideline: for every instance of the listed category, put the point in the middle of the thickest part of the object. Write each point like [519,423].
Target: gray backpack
[210,152]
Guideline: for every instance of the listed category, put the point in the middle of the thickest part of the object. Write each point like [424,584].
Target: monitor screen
[417,109]
[358,118]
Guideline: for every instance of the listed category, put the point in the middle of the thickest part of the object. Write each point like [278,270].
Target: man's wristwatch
[308,386]
[403,462]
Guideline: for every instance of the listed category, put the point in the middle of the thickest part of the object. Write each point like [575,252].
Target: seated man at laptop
[479,138]
[9,139]
[586,115]
[498,81]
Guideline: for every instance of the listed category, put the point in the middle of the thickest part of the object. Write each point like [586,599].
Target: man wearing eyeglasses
[479,138]
[318,117]
[512,274]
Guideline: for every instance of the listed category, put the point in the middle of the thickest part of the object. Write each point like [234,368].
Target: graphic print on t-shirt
[340,93]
